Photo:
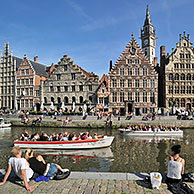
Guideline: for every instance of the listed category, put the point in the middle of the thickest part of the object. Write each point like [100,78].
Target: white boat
[3,124]
[129,132]
[67,145]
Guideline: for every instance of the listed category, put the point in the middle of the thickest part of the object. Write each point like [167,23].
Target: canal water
[125,155]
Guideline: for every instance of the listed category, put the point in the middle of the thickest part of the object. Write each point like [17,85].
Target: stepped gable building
[133,82]
[28,85]
[177,76]
[69,86]
[148,38]
[103,94]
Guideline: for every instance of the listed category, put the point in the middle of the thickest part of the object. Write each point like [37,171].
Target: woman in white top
[176,166]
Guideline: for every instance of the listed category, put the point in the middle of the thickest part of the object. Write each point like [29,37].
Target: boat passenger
[38,164]
[20,167]
[95,136]
[64,138]
[176,166]
[44,137]
[35,137]
[74,136]
[60,136]
[70,137]
[79,136]
[89,137]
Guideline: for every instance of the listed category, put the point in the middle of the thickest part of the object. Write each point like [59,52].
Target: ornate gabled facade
[28,85]
[133,82]
[69,86]
[103,94]
[148,38]
[8,68]
[177,76]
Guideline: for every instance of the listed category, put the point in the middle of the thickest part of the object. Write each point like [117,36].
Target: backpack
[61,175]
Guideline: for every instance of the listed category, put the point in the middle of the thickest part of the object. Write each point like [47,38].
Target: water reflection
[125,155]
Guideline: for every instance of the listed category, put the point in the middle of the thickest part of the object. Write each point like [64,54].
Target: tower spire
[148,19]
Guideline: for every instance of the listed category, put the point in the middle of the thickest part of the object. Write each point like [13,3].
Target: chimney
[36,59]
[155,61]
[110,65]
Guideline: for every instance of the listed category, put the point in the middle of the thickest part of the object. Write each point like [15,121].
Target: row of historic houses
[135,83]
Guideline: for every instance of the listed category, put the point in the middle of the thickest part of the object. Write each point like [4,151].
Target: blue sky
[91,32]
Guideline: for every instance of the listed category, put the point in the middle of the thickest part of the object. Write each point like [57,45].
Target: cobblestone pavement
[85,186]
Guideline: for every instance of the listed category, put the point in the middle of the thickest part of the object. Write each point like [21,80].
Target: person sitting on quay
[39,166]
[20,168]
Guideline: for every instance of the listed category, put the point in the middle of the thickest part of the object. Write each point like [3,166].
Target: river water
[125,155]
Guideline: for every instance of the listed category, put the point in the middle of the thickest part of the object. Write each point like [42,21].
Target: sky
[91,32]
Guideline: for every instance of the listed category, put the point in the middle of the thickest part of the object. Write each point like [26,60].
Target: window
[52,100]
[170,89]
[27,91]
[129,83]
[45,100]
[176,65]
[73,99]
[22,103]
[129,71]
[90,87]
[181,55]
[66,100]
[27,71]
[31,81]
[188,66]
[58,76]
[136,61]
[176,76]
[114,83]
[51,89]
[144,110]
[144,83]
[122,83]
[144,96]
[31,91]
[188,56]
[65,67]
[129,61]
[130,96]
[182,66]
[182,76]
[18,82]
[188,76]
[176,89]
[58,100]
[22,81]
[137,71]
[136,96]
[22,72]
[31,103]
[182,102]
[137,83]
[121,71]
[81,99]
[114,97]
[182,89]
[145,71]
[37,93]
[18,91]
[152,83]
[81,88]
[73,76]
[188,89]
[73,88]
[58,88]
[100,100]
[121,96]
[66,88]
[27,81]
[152,97]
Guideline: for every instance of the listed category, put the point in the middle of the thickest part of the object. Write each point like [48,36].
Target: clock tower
[148,38]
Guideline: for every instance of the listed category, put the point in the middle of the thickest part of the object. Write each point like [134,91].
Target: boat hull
[5,125]
[67,145]
[151,133]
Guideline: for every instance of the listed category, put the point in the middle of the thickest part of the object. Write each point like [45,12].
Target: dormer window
[133,50]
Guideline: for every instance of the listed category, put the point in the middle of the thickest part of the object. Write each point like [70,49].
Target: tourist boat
[67,145]
[3,124]
[129,132]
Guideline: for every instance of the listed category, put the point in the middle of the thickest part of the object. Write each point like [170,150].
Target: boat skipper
[20,167]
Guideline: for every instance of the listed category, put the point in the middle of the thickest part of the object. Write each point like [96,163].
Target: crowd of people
[25,136]
[154,128]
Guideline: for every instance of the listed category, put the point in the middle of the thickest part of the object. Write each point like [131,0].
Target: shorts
[52,170]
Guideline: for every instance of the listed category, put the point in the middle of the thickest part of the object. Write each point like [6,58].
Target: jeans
[52,170]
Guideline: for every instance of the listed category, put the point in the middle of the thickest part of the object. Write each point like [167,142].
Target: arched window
[170,76]
[66,100]
[177,102]
[188,76]
[52,99]
[176,76]
[45,100]
[145,72]
[182,76]
[182,102]
[59,100]
[90,98]
[170,102]
[73,99]
[81,99]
